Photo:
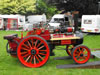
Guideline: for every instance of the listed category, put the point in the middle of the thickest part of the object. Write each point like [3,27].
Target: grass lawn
[12,66]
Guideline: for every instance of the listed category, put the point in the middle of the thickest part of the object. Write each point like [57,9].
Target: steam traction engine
[34,49]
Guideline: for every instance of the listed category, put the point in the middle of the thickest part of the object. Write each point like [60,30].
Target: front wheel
[81,54]
[33,51]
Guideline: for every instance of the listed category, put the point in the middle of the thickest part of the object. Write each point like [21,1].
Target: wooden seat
[10,37]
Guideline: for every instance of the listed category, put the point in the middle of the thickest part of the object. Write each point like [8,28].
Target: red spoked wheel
[69,49]
[33,51]
[81,54]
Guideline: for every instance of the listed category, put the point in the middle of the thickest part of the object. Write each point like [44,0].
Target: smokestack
[98,7]
[76,15]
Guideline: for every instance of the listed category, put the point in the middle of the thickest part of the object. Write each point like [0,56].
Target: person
[41,24]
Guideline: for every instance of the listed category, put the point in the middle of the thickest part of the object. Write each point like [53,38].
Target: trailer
[1,23]
[90,23]
[12,22]
[34,20]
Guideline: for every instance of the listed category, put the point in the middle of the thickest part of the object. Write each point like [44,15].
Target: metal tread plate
[89,64]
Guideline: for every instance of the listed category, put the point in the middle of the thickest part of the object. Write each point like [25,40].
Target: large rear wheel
[33,51]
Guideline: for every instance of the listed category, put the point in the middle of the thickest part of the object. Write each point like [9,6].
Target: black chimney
[76,15]
[98,7]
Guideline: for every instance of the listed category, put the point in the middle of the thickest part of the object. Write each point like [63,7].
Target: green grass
[12,66]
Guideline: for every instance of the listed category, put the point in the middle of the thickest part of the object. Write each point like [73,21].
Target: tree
[83,6]
[43,7]
[17,6]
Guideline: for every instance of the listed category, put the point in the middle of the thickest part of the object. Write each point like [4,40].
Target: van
[90,23]
[58,18]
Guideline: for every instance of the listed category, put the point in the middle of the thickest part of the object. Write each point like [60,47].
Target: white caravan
[11,22]
[90,23]
[32,20]
[1,23]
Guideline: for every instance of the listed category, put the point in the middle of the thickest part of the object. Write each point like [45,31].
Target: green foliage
[26,7]
[17,6]
[51,11]
[43,7]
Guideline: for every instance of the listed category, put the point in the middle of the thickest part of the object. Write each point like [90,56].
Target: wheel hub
[81,55]
[33,51]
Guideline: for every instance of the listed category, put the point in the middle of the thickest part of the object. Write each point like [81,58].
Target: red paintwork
[69,29]
[46,35]
[38,32]
[9,23]
[64,42]
[61,36]
[13,45]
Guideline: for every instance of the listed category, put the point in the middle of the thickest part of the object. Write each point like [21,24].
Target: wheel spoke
[34,60]
[40,57]
[32,42]
[24,49]
[81,58]
[36,43]
[76,54]
[41,47]
[82,51]
[23,53]
[84,57]
[29,44]
[85,52]
[39,44]
[31,60]
[37,58]
[79,49]
[27,58]
[25,45]
[43,50]
[42,54]
[77,57]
